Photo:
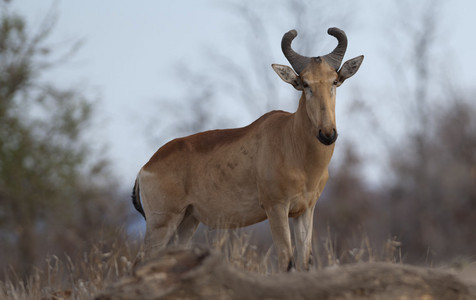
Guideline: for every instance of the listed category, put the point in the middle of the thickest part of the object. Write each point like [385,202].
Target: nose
[327,138]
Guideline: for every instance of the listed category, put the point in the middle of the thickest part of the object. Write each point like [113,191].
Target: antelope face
[318,83]
[318,79]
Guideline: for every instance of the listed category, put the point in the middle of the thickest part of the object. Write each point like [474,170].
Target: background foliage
[56,193]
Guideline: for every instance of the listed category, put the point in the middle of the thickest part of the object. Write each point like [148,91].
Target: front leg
[303,237]
[278,221]
[303,226]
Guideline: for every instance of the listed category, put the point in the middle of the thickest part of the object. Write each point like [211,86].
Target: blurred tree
[349,210]
[433,198]
[431,191]
[54,194]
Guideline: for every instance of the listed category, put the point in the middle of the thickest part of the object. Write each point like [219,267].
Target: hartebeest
[273,169]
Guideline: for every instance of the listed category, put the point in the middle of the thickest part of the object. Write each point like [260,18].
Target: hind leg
[160,229]
[187,227]
[164,202]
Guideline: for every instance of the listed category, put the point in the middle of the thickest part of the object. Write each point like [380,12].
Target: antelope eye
[335,82]
[305,85]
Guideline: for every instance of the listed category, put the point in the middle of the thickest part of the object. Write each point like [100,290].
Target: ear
[288,75]
[349,68]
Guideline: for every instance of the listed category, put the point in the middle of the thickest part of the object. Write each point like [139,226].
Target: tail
[136,198]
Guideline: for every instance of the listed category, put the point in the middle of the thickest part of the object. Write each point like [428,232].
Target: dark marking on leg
[291,265]
[311,259]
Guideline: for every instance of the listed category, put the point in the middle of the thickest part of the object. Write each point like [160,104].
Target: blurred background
[89,90]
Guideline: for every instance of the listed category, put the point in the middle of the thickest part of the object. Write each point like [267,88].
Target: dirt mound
[202,274]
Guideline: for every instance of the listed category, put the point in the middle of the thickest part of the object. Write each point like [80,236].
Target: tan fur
[273,169]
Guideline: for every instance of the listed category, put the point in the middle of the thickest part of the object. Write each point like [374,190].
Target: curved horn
[299,62]
[335,57]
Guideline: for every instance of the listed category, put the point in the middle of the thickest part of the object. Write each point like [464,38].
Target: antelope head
[318,78]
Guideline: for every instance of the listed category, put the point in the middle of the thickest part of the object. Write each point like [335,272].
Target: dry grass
[363,250]
[63,278]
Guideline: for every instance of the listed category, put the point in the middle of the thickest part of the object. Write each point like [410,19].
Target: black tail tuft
[136,199]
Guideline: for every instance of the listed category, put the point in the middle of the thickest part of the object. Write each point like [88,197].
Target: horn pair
[299,62]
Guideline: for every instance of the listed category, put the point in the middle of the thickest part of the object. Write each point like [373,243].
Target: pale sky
[131,47]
